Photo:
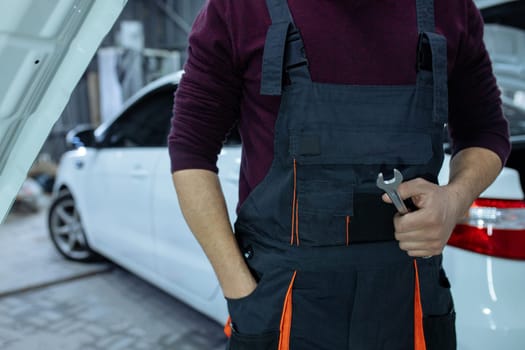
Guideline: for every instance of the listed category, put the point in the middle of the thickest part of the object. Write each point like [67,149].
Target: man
[327,94]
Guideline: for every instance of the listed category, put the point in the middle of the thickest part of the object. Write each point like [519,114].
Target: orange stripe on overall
[419,334]
[286,318]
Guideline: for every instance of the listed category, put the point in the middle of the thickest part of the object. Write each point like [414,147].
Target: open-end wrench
[390,187]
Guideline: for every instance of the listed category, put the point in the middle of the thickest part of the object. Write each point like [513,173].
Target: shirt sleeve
[475,114]
[207,99]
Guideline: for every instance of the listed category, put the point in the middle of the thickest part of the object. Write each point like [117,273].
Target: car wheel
[66,231]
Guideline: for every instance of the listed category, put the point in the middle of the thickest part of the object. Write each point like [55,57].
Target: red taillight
[493,227]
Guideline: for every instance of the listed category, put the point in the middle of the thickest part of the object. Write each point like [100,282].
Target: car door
[121,181]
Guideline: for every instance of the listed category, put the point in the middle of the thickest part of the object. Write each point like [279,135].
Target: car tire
[66,230]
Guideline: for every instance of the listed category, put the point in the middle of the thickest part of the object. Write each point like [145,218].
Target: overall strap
[284,49]
[432,58]
[279,11]
[425,16]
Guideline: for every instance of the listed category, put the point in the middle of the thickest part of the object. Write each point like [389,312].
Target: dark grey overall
[315,232]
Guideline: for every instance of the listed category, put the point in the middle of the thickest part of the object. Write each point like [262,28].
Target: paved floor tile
[61,305]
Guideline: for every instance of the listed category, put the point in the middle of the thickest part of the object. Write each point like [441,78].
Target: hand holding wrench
[390,187]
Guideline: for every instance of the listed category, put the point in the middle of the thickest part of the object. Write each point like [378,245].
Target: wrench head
[389,185]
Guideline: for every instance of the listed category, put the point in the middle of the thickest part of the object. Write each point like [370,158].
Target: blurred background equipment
[148,41]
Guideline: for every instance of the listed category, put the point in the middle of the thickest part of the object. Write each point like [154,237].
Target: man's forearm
[472,170]
[204,208]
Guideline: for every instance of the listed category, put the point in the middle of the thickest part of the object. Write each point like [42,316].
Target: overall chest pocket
[345,146]
[331,162]
[323,212]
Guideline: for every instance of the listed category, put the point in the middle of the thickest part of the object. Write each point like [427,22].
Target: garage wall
[166,22]
[166,25]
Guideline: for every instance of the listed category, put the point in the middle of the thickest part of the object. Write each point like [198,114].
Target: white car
[114,197]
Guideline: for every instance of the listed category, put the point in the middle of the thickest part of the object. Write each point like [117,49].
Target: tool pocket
[323,209]
[436,298]
[383,311]
[439,317]
[440,332]
[266,341]
[256,317]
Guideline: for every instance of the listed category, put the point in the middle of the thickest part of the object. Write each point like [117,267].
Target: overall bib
[315,232]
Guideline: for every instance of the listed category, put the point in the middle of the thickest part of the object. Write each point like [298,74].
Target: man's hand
[425,232]
[243,289]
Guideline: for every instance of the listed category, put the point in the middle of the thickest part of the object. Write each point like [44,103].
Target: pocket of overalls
[436,297]
[440,331]
[243,311]
[439,317]
[342,145]
[256,317]
[324,210]
[266,341]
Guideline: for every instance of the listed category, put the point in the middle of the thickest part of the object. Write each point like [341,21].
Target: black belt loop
[424,54]
[295,55]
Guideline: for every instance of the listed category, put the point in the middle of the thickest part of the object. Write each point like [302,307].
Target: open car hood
[45,46]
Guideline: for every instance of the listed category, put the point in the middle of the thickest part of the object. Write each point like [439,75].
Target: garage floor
[47,302]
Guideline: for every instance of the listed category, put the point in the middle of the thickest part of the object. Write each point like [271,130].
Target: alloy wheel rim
[67,231]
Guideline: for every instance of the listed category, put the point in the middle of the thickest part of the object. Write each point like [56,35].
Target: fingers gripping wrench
[390,187]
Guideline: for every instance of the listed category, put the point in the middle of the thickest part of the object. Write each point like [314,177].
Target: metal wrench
[390,187]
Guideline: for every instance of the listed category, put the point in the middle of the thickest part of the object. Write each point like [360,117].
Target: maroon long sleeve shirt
[346,42]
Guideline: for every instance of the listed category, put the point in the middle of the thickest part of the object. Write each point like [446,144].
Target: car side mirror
[81,136]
